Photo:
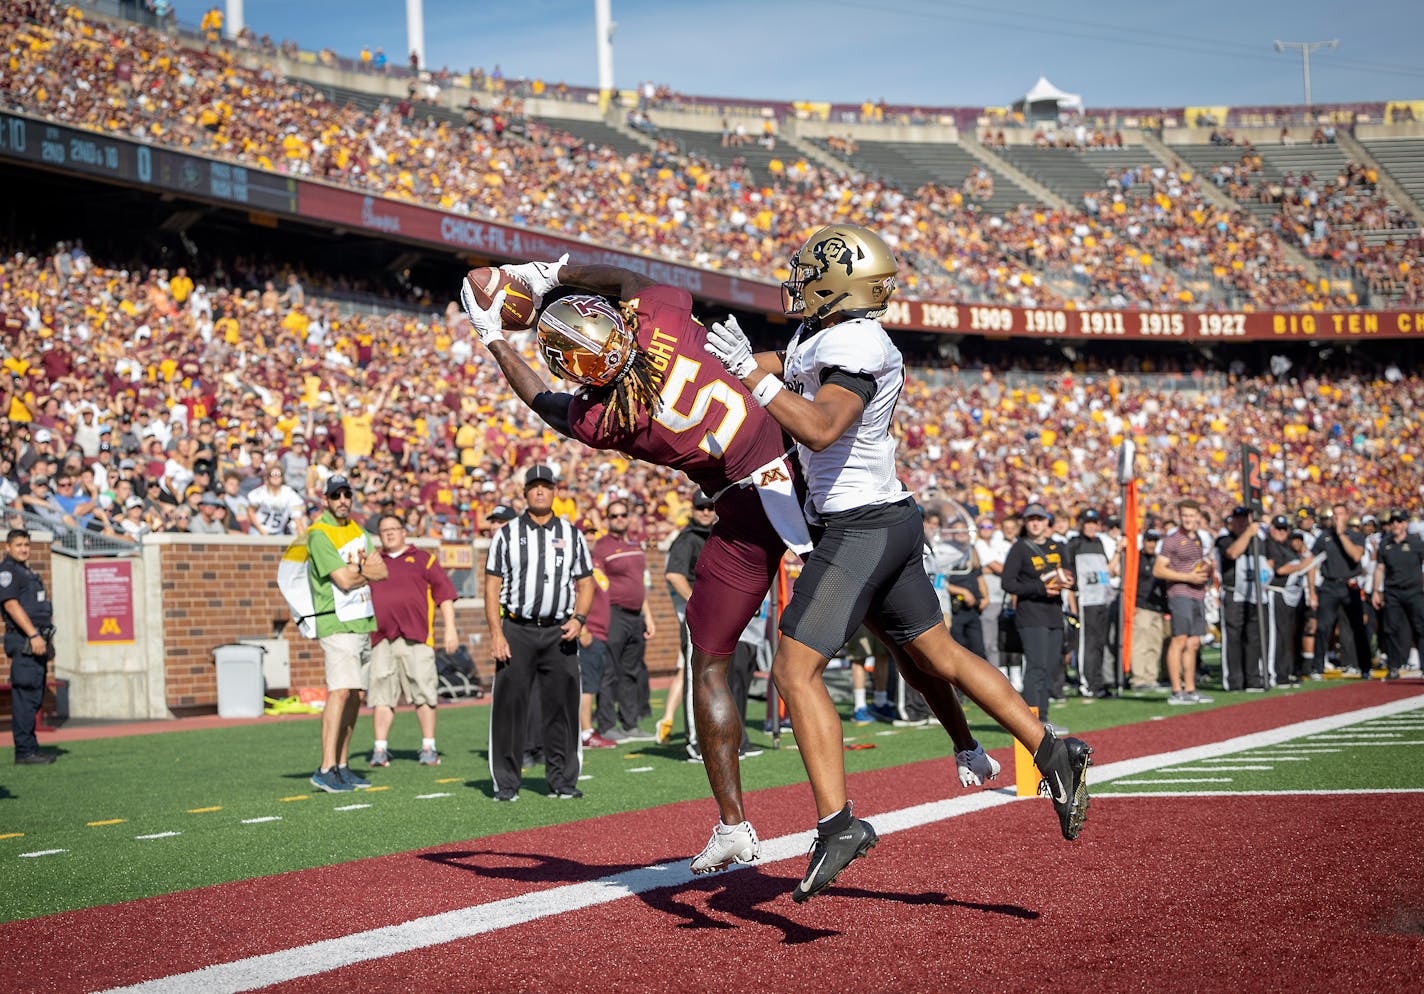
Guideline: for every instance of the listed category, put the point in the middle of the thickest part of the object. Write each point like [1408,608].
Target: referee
[538,588]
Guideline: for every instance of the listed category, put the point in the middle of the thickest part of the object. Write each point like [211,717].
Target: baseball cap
[335,483]
[538,474]
[43,435]
[1298,534]
[1369,519]
[1240,511]
[1035,510]
[1280,521]
[105,447]
[133,502]
[211,500]
[127,464]
[1089,514]
[1305,512]
[1397,514]
[701,500]
[502,512]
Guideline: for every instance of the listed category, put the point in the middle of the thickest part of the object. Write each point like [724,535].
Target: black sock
[838,822]
[1044,750]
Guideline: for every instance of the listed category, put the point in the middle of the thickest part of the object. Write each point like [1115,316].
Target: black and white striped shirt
[538,566]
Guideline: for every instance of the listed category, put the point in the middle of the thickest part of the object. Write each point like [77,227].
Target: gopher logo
[834,252]
[774,475]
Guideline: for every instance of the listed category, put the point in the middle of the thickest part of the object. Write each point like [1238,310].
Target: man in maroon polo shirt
[403,645]
[630,625]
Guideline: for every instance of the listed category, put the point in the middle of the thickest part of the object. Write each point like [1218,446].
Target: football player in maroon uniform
[651,391]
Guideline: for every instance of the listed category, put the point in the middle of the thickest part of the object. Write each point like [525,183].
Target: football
[518,310]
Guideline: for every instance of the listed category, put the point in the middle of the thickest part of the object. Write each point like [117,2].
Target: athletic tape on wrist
[767,389]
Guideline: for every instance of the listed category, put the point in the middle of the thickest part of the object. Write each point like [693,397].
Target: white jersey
[857,469]
[275,511]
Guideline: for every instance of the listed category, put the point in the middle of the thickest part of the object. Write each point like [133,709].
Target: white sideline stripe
[1144,783]
[159,835]
[1372,742]
[40,852]
[1359,735]
[421,933]
[1260,793]
[641,769]
[427,797]
[351,807]
[258,821]
[1274,759]
[1213,769]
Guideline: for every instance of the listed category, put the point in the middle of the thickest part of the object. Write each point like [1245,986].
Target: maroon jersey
[405,607]
[708,426]
[624,563]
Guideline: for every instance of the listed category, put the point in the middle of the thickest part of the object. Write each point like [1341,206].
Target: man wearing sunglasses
[341,566]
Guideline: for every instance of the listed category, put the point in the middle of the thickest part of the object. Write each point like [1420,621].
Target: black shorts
[868,561]
[592,660]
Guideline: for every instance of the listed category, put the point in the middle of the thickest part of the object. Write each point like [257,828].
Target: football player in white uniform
[834,390]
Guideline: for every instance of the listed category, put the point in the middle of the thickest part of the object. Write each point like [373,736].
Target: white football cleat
[729,844]
[975,766]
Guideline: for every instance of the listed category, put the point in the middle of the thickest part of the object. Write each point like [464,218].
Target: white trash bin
[239,680]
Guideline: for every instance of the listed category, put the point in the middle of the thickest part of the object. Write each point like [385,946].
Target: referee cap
[538,474]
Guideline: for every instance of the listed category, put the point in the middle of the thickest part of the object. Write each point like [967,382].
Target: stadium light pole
[232,23]
[1305,48]
[603,28]
[415,29]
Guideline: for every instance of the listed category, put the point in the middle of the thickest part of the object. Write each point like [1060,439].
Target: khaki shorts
[402,667]
[346,655]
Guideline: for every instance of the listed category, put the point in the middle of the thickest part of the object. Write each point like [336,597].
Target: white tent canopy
[1043,96]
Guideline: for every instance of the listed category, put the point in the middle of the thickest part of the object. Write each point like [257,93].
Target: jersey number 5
[683,376]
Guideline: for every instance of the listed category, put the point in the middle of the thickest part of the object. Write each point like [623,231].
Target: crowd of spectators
[1326,217]
[134,81]
[140,402]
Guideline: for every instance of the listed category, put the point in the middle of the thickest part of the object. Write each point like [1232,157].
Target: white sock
[586,734]
[381,743]
[427,743]
[859,694]
[724,829]
[881,698]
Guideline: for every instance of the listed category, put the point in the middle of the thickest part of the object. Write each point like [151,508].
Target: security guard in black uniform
[1339,601]
[29,644]
[1399,590]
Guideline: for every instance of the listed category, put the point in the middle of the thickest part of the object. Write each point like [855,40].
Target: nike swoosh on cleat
[1061,796]
[812,874]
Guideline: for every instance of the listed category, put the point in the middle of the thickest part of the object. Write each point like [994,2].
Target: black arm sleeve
[860,384]
[554,409]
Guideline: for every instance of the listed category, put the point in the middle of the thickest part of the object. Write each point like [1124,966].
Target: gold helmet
[584,339]
[842,269]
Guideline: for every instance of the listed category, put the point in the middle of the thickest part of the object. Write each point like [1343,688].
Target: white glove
[486,321]
[729,344]
[541,277]
[975,766]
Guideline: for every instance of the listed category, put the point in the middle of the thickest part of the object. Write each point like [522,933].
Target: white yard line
[422,933]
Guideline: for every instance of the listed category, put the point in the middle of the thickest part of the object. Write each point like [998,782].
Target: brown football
[518,311]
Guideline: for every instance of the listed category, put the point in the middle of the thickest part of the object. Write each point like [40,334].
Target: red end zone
[1166,893]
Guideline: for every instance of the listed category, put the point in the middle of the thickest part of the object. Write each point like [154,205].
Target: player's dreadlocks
[638,388]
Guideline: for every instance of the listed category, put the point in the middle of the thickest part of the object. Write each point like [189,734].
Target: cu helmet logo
[834,252]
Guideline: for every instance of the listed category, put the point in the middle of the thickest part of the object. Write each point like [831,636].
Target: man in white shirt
[993,546]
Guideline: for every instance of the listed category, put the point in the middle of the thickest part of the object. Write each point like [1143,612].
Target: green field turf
[210,786]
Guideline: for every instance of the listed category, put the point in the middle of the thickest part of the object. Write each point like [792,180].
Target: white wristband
[767,389]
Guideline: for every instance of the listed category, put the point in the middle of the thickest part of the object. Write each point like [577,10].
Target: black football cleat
[1064,764]
[830,854]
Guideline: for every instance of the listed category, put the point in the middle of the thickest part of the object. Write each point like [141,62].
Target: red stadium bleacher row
[1175,249]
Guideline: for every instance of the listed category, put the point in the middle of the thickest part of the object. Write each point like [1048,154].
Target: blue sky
[933,52]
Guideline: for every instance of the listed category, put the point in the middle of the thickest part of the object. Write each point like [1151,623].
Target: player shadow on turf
[742,902]
[748,902]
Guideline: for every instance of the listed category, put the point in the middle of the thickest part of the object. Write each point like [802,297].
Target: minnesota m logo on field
[774,475]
